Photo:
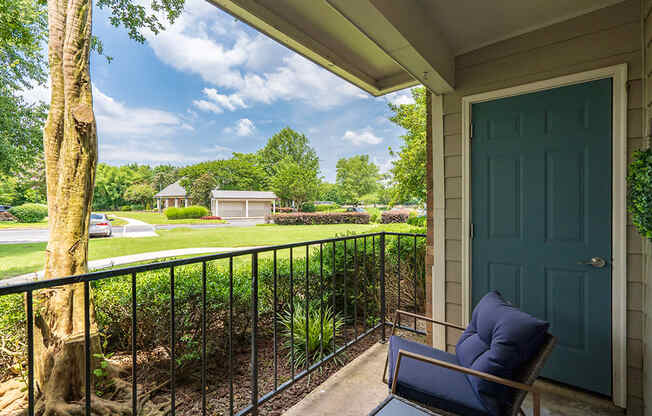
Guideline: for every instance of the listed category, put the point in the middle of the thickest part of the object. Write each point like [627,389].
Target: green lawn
[159,219]
[10,224]
[24,258]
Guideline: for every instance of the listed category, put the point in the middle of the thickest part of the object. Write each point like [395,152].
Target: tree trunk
[70,143]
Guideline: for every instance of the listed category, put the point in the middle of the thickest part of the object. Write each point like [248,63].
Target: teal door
[541,205]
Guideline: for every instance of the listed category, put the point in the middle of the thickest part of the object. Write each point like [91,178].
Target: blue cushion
[432,385]
[499,339]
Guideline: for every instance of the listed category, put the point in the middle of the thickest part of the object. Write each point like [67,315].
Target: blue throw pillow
[499,339]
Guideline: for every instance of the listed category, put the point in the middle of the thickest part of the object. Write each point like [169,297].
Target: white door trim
[619,212]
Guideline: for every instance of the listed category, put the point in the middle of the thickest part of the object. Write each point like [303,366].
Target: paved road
[134,229]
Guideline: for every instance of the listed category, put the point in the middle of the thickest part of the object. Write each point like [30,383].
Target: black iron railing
[363,277]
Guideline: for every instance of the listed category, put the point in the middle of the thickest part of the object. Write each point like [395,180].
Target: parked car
[100,225]
[355,209]
[4,208]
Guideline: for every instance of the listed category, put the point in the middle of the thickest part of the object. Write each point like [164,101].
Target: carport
[242,204]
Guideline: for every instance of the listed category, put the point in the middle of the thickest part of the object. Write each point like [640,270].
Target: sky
[210,85]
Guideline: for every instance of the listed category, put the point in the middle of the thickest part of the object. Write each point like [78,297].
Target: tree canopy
[409,169]
[295,182]
[356,176]
[287,143]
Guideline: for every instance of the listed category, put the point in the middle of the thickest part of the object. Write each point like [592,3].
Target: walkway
[130,259]
[357,389]
[134,229]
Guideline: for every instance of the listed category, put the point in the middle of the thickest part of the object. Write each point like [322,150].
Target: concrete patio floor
[356,389]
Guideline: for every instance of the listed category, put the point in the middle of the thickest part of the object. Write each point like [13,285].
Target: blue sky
[210,85]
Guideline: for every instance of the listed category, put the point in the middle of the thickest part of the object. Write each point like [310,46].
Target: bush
[417,221]
[125,208]
[639,195]
[374,214]
[284,209]
[389,217]
[211,217]
[194,211]
[297,323]
[30,212]
[113,308]
[12,337]
[321,218]
[138,207]
[308,207]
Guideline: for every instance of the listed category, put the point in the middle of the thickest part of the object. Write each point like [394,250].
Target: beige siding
[605,37]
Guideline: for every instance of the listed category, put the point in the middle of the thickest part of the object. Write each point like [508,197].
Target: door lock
[597,262]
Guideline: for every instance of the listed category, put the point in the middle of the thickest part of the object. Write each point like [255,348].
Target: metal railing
[385,259]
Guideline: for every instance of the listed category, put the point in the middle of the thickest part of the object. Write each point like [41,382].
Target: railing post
[383,306]
[254,333]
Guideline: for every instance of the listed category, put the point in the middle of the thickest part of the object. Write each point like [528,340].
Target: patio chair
[497,360]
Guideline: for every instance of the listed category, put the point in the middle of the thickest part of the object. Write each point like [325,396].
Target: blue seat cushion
[430,384]
[499,339]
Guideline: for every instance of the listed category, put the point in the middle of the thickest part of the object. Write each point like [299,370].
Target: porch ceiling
[385,45]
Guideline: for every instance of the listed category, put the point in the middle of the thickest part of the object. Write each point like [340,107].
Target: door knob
[597,262]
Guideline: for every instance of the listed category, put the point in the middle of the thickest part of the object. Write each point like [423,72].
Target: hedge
[417,221]
[113,297]
[389,217]
[194,211]
[322,208]
[304,218]
[30,212]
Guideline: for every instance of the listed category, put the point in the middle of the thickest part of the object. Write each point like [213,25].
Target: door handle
[597,262]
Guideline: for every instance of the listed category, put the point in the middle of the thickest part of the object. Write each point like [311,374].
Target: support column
[185,201]
[158,204]
[247,208]
[176,202]
[274,207]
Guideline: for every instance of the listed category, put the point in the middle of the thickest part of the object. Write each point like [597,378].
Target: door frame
[618,73]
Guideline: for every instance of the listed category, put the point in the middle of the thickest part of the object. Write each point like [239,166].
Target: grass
[25,258]
[12,224]
[155,218]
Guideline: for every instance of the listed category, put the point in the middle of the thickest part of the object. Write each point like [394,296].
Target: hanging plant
[639,198]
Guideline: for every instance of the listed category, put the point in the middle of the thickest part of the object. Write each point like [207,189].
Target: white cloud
[40,93]
[218,102]
[400,97]
[244,127]
[251,67]
[360,137]
[386,166]
[117,119]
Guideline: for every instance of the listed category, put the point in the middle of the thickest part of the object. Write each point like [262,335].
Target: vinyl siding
[602,38]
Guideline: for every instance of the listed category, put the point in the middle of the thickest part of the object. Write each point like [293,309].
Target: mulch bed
[153,370]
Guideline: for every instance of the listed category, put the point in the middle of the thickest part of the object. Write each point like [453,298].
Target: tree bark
[70,145]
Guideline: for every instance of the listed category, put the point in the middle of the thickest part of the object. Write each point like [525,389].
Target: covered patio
[534,110]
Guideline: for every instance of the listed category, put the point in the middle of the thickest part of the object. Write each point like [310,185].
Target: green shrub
[323,208]
[191,212]
[12,337]
[125,208]
[30,212]
[639,196]
[308,207]
[137,207]
[374,215]
[315,343]
[113,308]
[417,221]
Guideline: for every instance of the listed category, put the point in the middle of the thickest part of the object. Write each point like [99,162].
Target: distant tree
[200,189]
[287,143]
[295,182]
[329,192]
[409,168]
[356,176]
[164,175]
[139,194]
[242,172]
